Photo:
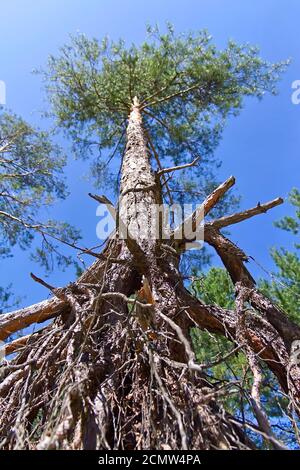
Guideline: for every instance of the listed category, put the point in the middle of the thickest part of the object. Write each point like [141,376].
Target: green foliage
[292,224]
[31,179]
[7,299]
[284,289]
[215,287]
[187,88]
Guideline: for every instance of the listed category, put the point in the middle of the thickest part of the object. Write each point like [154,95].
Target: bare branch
[130,241]
[197,216]
[180,167]
[241,336]
[22,342]
[166,396]
[233,259]
[101,199]
[247,214]
[37,313]
[20,221]
[119,295]
[189,352]
[42,282]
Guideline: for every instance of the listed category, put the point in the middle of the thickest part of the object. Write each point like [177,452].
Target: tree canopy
[187,87]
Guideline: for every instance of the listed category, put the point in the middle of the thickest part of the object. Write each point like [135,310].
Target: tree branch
[22,342]
[37,313]
[101,199]
[247,214]
[173,95]
[197,216]
[158,92]
[180,167]
[233,259]
[262,336]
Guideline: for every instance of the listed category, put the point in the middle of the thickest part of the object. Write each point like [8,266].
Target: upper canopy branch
[173,95]
[161,90]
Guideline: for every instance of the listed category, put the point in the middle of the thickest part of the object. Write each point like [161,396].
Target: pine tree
[115,368]
[284,289]
[31,178]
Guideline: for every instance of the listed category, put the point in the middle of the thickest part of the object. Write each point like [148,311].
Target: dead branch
[48,309]
[197,216]
[189,352]
[233,259]
[21,342]
[101,199]
[167,398]
[37,313]
[263,337]
[123,230]
[179,167]
[247,214]
[119,295]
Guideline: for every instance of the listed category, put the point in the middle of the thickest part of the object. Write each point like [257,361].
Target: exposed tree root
[97,380]
[115,369]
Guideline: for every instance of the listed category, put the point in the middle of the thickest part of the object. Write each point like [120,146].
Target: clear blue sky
[260,147]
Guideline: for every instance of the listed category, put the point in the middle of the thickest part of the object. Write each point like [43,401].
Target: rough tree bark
[113,371]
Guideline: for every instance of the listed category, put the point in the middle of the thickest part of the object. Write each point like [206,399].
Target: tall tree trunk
[115,369]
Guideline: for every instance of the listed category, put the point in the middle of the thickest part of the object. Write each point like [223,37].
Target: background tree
[284,288]
[103,375]
[31,178]
[7,299]
[215,286]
